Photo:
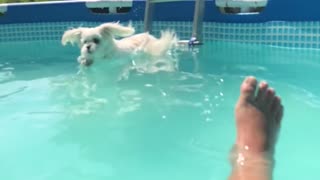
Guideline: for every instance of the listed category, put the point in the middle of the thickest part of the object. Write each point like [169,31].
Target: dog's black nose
[88,47]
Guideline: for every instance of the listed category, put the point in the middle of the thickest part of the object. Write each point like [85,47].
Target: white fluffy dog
[100,42]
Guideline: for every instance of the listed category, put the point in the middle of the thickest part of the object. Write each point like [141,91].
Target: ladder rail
[148,16]
[197,18]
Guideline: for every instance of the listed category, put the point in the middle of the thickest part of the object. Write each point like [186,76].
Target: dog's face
[92,44]
[97,42]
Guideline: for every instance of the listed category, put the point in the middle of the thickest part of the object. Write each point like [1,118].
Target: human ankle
[243,157]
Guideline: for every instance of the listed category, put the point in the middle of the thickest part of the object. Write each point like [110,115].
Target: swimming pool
[61,122]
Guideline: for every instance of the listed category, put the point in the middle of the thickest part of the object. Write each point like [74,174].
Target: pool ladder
[196,37]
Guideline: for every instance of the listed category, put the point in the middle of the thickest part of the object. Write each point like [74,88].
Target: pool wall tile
[275,33]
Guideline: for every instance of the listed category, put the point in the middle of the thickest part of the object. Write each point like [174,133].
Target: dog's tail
[167,41]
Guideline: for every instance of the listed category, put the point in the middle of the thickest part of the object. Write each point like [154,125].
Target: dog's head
[97,42]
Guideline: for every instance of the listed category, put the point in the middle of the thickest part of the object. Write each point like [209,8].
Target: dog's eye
[96,40]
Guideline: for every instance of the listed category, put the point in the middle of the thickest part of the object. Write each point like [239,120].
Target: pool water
[59,121]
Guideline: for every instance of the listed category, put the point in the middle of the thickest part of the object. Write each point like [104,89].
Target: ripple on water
[7,90]
[6,73]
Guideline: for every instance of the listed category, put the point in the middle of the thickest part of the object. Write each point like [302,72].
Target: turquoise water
[59,121]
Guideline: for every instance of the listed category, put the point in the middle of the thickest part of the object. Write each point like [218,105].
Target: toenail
[263,84]
[271,91]
[251,80]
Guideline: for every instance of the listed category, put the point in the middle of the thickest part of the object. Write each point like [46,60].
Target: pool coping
[180,10]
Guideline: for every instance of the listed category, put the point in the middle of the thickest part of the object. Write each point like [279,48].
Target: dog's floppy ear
[116,29]
[73,36]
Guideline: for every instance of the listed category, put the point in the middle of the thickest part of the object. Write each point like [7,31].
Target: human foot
[257,117]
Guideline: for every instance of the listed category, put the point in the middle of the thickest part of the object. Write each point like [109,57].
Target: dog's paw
[84,61]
